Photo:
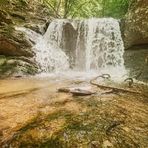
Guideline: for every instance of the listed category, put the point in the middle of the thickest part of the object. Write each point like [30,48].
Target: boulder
[10,47]
[11,66]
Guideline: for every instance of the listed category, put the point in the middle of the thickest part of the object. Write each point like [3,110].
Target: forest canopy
[87,8]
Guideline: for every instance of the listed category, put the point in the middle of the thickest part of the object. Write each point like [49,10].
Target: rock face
[11,47]
[16,54]
[136,63]
[70,35]
[136,24]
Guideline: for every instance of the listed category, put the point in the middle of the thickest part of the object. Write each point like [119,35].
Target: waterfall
[54,32]
[103,45]
[49,56]
[48,52]
[82,45]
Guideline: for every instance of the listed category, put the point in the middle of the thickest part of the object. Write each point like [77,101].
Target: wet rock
[45,26]
[35,27]
[135,25]
[135,63]
[12,48]
[26,68]
[17,66]
[11,62]
[70,41]
[39,28]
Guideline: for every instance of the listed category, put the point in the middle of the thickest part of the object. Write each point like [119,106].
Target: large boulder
[136,24]
[12,47]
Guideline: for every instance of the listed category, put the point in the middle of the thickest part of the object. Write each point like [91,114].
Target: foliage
[87,8]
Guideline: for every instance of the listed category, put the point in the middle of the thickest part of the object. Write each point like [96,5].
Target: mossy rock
[14,45]
[11,62]
[2,60]
[10,66]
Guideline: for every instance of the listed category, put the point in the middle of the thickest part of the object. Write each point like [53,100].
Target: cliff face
[16,55]
[136,24]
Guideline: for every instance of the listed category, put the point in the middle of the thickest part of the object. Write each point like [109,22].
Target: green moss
[6,69]
[23,2]
[4,2]
[12,65]
[2,60]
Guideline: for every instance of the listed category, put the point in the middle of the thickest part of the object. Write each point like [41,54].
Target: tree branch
[53,8]
[80,7]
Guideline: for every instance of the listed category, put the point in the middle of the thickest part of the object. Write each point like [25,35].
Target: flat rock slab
[81,92]
[77,91]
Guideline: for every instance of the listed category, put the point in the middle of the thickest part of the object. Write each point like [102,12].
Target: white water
[54,33]
[99,47]
[48,55]
[103,44]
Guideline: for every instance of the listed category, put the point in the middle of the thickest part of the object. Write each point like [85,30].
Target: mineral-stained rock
[136,24]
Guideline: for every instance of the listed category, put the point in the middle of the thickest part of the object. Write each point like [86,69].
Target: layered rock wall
[16,54]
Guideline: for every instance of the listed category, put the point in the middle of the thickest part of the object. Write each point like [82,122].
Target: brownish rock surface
[36,115]
[10,47]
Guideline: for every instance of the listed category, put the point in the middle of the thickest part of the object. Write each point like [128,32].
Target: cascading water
[103,45]
[48,55]
[98,45]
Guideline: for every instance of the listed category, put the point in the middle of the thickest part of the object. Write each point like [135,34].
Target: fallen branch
[110,92]
[115,89]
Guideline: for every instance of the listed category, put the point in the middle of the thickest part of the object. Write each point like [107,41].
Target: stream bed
[34,114]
